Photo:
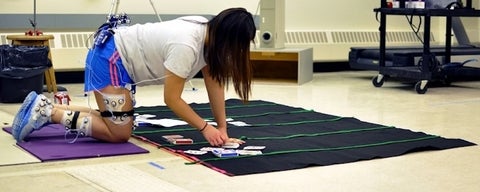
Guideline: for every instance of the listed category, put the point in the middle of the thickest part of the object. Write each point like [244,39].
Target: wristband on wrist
[204,127]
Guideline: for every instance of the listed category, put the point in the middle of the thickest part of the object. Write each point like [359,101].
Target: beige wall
[129,6]
[300,14]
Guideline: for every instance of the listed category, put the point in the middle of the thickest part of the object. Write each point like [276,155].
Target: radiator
[334,46]
[69,48]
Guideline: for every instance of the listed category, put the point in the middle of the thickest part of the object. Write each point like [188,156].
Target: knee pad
[114,109]
[114,102]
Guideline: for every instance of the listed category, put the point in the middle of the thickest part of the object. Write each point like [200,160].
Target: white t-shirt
[148,49]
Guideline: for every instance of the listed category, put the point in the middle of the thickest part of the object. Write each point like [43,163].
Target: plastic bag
[21,61]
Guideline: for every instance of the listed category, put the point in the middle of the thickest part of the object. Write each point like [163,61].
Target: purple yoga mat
[49,144]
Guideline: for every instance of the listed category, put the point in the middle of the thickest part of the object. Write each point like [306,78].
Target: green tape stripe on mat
[299,135]
[188,128]
[165,109]
[317,149]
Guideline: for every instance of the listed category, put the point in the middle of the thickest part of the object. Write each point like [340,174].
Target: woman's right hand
[214,136]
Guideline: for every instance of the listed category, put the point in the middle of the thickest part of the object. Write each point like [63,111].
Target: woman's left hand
[235,140]
[223,131]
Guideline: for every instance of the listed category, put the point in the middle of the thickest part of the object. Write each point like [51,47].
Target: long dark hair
[227,50]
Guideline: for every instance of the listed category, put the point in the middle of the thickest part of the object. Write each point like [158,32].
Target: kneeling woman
[168,53]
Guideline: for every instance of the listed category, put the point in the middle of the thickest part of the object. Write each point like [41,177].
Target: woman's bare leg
[74,108]
[98,127]
[118,130]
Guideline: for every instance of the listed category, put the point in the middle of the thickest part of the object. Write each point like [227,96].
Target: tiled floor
[452,112]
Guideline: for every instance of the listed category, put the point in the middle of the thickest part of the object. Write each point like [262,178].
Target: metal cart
[429,69]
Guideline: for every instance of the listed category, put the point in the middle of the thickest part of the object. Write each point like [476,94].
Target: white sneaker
[34,113]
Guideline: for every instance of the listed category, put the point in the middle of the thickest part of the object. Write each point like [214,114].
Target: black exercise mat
[294,138]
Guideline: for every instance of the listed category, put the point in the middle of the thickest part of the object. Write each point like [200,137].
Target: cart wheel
[377,81]
[447,81]
[420,89]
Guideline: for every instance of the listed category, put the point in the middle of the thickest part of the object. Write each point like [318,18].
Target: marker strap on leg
[69,119]
[118,117]
[72,125]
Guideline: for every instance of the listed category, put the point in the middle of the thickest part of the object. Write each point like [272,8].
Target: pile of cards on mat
[228,150]
[177,139]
